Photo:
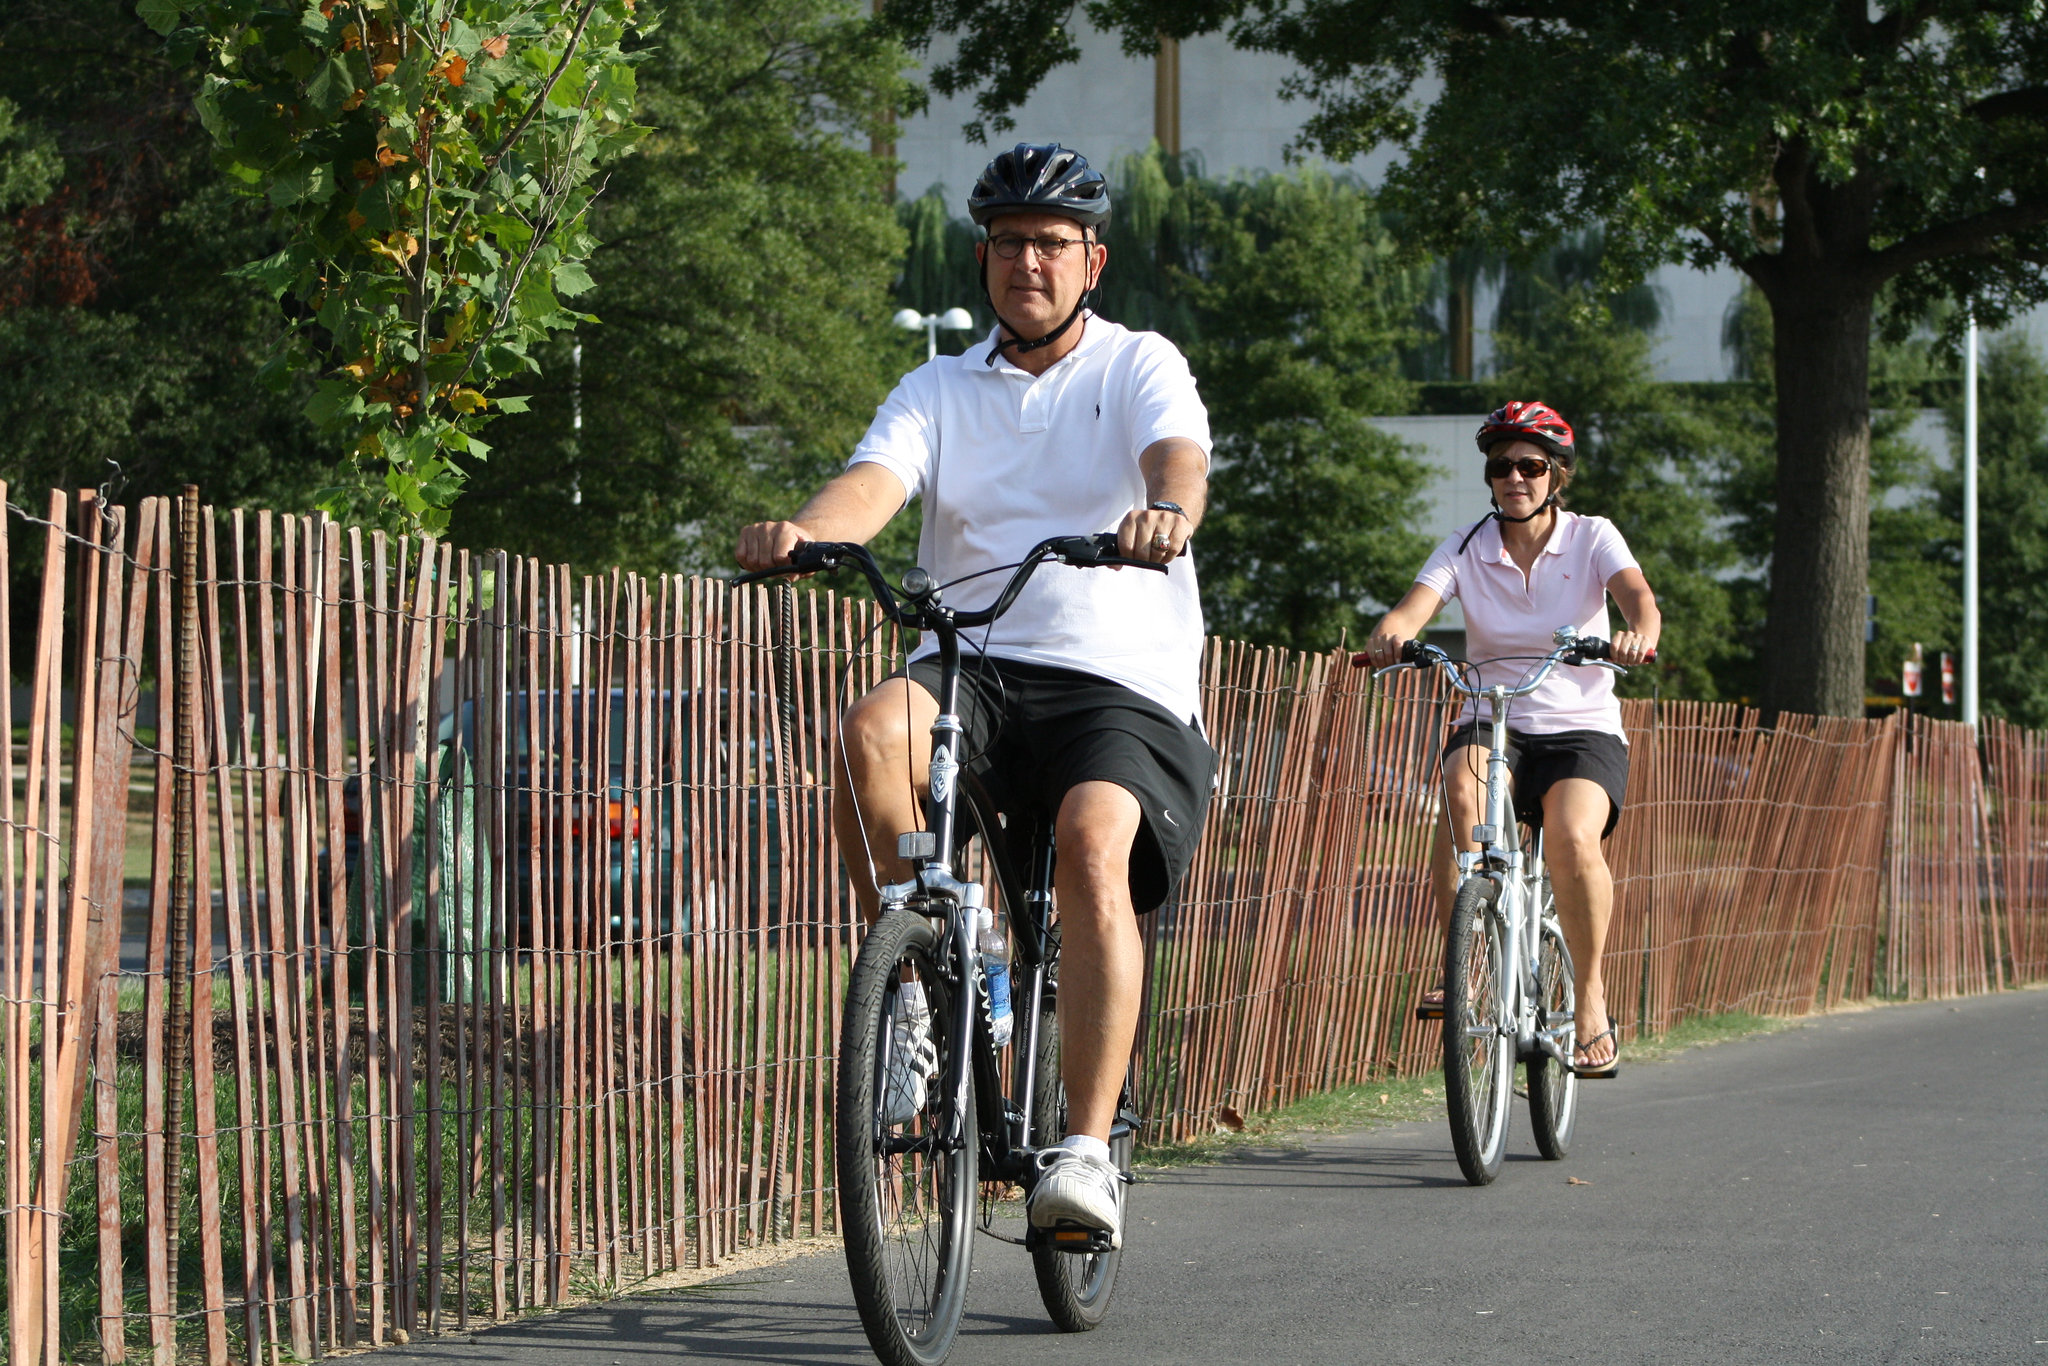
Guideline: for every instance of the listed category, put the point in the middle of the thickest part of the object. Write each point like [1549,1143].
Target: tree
[743,270]
[121,338]
[1296,315]
[1824,150]
[1912,569]
[2012,493]
[431,164]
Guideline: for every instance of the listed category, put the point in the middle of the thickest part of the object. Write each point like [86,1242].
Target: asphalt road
[1861,1188]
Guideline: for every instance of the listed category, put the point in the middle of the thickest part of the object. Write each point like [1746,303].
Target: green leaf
[572,279]
[277,272]
[330,87]
[161,15]
[513,403]
[303,181]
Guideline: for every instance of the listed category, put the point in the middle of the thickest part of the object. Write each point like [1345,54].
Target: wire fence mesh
[396,938]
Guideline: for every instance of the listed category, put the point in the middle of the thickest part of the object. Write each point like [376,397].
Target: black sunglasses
[1531,466]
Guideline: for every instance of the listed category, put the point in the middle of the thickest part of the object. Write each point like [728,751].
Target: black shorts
[1540,761]
[1035,731]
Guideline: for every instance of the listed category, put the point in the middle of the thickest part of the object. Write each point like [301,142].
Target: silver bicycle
[1508,992]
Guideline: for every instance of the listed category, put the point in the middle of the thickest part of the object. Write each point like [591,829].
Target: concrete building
[1206,97]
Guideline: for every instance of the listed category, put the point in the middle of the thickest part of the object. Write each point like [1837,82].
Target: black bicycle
[908,1190]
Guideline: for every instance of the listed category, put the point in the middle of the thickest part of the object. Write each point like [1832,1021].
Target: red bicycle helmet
[1528,420]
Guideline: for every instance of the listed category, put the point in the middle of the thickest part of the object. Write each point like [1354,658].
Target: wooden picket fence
[396,938]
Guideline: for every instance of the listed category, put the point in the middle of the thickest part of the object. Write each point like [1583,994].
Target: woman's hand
[1632,647]
[1383,647]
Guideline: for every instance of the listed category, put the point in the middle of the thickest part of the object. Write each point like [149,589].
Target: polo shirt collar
[1093,334]
[1497,548]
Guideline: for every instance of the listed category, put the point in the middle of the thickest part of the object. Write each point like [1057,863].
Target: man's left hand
[1152,534]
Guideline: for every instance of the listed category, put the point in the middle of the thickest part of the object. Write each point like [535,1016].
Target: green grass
[1701,1030]
[1399,1100]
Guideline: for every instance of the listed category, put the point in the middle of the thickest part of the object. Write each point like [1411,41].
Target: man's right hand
[766,545]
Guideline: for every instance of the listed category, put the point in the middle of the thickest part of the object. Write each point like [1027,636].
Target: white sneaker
[1076,1189]
[913,1058]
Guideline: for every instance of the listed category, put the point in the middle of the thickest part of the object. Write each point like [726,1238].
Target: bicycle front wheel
[1553,1086]
[906,1197]
[1075,1286]
[1479,1053]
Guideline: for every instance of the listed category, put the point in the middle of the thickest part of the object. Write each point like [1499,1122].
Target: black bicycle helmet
[1041,176]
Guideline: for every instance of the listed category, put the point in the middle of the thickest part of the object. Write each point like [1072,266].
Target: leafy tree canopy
[1825,150]
[430,164]
[746,253]
[120,336]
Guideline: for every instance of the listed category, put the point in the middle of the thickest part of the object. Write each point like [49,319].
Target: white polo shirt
[1510,617]
[1004,459]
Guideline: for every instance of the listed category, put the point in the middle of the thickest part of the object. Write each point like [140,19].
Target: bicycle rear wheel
[1553,1086]
[907,1202]
[1075,1286]
[1479,1054]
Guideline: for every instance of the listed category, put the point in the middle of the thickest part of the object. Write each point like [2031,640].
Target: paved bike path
[1866,1187]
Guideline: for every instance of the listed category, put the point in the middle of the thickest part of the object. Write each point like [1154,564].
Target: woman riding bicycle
[1529,567]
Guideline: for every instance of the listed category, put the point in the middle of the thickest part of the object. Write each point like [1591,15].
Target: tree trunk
[1820,558]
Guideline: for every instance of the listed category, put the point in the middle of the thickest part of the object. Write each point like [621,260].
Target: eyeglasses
[1531,466]
[1010,246]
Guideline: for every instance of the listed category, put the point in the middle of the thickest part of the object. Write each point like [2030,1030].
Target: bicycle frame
[1517,876]
[934,888]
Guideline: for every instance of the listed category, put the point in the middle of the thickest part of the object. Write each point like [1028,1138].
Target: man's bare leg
[1102,955]
[885,755]
[1574,813]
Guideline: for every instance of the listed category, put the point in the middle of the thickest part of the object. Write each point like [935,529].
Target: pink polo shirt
[1507,615]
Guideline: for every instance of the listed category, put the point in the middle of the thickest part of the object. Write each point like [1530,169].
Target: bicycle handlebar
[921,609]
[1580,650]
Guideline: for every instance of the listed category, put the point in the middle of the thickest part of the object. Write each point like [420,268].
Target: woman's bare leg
[1574,813]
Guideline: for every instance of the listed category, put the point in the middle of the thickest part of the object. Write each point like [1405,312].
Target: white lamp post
[953,320]
[1971,671]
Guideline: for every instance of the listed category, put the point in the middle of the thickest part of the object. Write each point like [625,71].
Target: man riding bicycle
[1086,701]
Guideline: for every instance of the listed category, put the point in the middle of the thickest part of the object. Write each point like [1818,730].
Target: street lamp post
[953,320]
[1971,671]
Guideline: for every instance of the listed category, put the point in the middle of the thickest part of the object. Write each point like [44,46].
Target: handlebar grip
[808,557]
[1099,549]
[1592,647]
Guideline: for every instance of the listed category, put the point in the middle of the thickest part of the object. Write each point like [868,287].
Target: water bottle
[995,973]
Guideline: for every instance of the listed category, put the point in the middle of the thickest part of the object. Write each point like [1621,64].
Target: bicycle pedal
[1429,1012]
[1071,1238]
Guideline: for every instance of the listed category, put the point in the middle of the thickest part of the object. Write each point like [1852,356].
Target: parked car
[554,802]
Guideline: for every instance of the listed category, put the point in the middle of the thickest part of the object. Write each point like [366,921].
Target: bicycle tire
[1075,1286]
[1479,1056]
[1553,1086]
[908,1215]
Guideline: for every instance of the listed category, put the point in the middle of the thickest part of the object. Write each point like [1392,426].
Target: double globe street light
[953,320]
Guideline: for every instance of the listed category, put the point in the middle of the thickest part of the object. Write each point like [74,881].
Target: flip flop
[1431,1006]
[1605,1071]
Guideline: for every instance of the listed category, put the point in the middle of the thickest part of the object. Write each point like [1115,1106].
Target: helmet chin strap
[1548,504]
[1022,346]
